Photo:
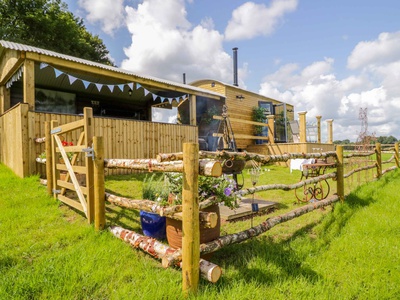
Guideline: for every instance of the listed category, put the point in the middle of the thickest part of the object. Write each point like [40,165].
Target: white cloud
[250,19]
[165,44]
[110,13]
[318,91]
[371,53]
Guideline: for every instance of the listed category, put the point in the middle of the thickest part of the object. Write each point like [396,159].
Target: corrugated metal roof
[27,48]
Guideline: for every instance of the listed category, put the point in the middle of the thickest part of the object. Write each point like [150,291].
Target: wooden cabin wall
[13,135]
[122,138]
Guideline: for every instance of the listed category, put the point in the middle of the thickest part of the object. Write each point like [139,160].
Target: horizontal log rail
[286,187]
[358,154]
[359,170]
[206,167]
[207,219]
[263,159]
[174,257]
[389,169]
[390,160]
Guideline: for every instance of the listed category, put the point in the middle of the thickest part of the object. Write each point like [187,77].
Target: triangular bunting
[58,72]
[138,86]
[111,87]
[71,79]
[130,85]
[86,83]
[154,97]
[170,100]
[99,86]
[146,92]
[121,87]
[43,65]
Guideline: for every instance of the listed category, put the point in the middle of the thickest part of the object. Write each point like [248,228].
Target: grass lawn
[48,251]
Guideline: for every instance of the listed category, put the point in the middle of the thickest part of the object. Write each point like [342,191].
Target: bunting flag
[71,79]
[58,73]
[99,86]
[111,87]
[121,87]
[86,83]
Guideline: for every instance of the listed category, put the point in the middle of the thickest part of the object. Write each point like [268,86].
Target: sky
[329,58]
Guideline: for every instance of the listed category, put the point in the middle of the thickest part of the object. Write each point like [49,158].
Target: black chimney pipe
[235,67]
[184,78]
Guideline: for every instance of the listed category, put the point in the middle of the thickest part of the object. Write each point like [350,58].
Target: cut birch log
[263,159]
[207,219]
[40,140]
[146,205]
[208,270]
[206,167]
[173,258]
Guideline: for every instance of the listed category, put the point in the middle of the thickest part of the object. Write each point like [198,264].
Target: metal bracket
[55,130]
[89,152]
[56,191]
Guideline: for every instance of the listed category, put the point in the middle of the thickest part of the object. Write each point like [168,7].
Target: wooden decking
[244,209]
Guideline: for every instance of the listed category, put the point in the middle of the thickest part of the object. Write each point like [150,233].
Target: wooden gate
[73,161]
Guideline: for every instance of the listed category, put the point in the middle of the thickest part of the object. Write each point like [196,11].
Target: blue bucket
[153,225]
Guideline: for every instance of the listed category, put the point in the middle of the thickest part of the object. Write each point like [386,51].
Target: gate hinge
[89,152]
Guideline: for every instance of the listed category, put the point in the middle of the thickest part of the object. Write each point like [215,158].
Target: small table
[318,190]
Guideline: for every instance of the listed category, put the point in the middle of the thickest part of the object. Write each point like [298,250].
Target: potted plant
[153,225]
[221,187]
[167,190]
[258,115]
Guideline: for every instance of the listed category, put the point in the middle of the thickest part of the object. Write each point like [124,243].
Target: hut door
[269,110]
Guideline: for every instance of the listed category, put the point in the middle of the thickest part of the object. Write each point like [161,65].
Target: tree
[48,24]
[387,139]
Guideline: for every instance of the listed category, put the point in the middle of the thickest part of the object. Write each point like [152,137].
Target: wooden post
[302,126]
[190,219]
[88,128]
[271,129]
[192,109]
[29,83]
[99,188]
[396,154]
[49,158]
[55,172]
[340,172]
[330,131]
[319,129]
[5,97]
[378,152]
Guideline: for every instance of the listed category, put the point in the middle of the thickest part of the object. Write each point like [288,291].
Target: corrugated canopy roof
[27,48]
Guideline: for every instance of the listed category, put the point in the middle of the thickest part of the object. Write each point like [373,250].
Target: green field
[48,251]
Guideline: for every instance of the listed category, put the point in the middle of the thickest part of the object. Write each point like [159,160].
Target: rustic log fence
[192,163]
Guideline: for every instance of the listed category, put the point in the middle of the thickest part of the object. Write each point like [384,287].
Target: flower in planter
[167,189]
[66,144]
